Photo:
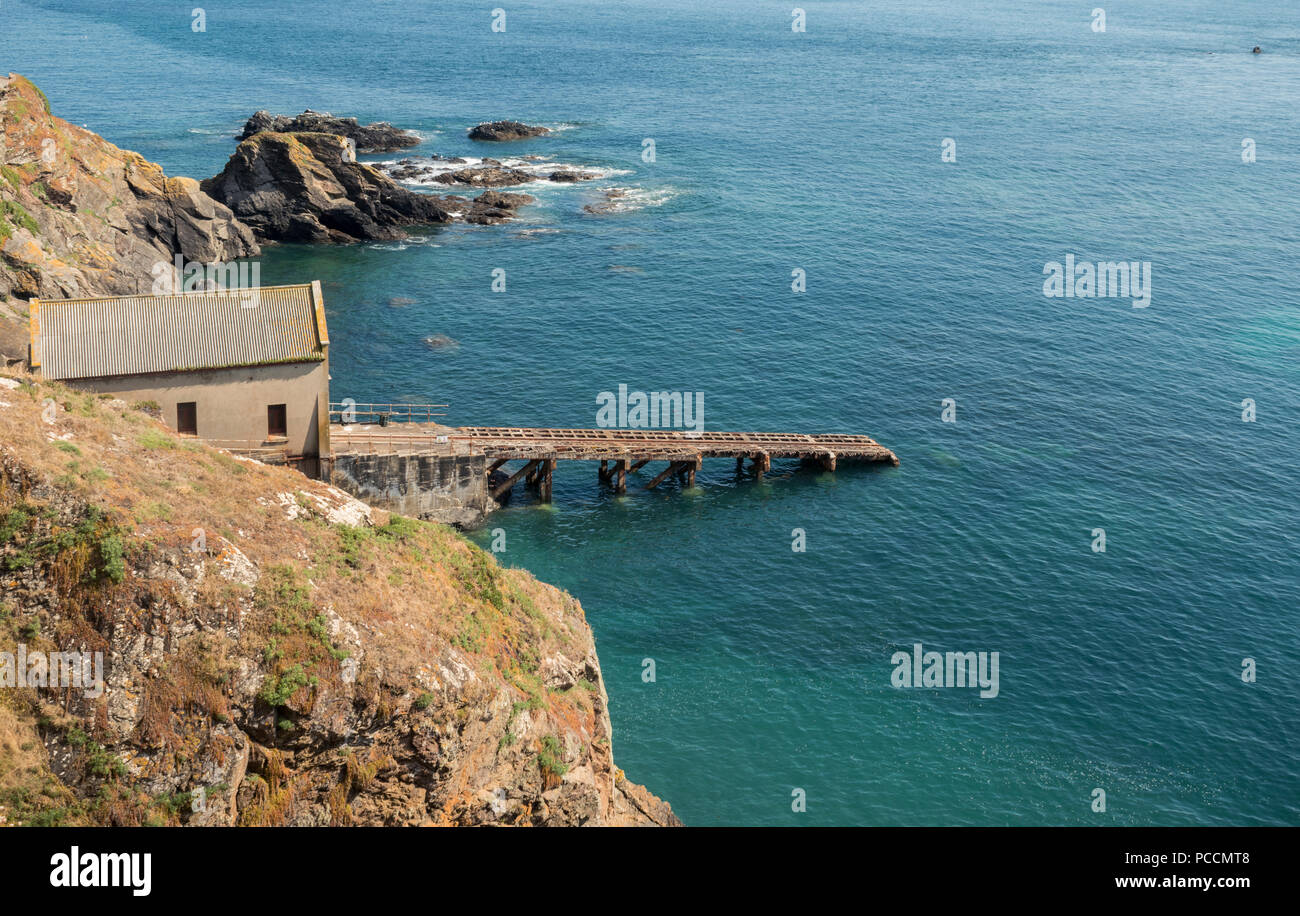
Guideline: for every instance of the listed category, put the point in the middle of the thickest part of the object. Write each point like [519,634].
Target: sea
[839,218]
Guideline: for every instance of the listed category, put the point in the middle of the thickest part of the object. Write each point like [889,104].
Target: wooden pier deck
[619,451]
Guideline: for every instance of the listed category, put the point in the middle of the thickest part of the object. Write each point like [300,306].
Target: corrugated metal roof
[131,335]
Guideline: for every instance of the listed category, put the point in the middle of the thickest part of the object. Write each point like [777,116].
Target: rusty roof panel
[133,335]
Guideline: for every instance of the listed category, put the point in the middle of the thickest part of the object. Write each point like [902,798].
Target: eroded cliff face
[274,652]
[80,217]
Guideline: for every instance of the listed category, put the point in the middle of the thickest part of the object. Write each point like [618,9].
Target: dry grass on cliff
[413,591]
[404,581]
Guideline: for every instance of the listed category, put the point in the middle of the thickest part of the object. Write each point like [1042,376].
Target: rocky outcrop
[570,176]
[80,217]
[379,137]
[308,187]
[485,176]
[505,130]
[493,207]
[486,173]
[273,651]
[414,170]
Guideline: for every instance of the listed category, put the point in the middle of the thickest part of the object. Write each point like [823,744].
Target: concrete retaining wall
[451,489]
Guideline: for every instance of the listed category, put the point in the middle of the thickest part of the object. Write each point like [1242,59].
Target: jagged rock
[406,172]
[379,137]
[485,176]
[505,130]
[504,200]
[568,176]
[306,187]
[493,207]
[84,218]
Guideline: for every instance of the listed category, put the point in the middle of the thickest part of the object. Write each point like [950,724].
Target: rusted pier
[621,452]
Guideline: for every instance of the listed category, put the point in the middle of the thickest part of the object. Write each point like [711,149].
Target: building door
[187,418]
[277,423]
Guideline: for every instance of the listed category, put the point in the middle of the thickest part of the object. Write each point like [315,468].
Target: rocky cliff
[273,652]
[78,216]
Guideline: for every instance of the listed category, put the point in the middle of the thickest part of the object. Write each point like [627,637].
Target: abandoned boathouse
[246,370]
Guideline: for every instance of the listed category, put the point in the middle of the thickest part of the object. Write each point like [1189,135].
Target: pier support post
[691,468]
[603,473]
[620,472]
[547,473]
[761,463]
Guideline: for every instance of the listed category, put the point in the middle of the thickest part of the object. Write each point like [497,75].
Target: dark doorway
[187,418]
[277,423]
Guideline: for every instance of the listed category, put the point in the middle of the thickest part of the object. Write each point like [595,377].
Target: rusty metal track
[509,443]
[599,444]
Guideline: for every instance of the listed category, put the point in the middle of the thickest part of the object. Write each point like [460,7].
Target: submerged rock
[379,137]
[610,204]
[506,130]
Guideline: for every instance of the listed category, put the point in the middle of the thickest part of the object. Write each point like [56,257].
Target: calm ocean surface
[821,151]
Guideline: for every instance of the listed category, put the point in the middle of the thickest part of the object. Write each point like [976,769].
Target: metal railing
[384,414]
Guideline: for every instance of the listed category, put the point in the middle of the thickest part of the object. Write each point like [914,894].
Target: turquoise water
[821,151]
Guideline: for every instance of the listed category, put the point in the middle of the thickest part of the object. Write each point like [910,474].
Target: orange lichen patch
[566,709]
